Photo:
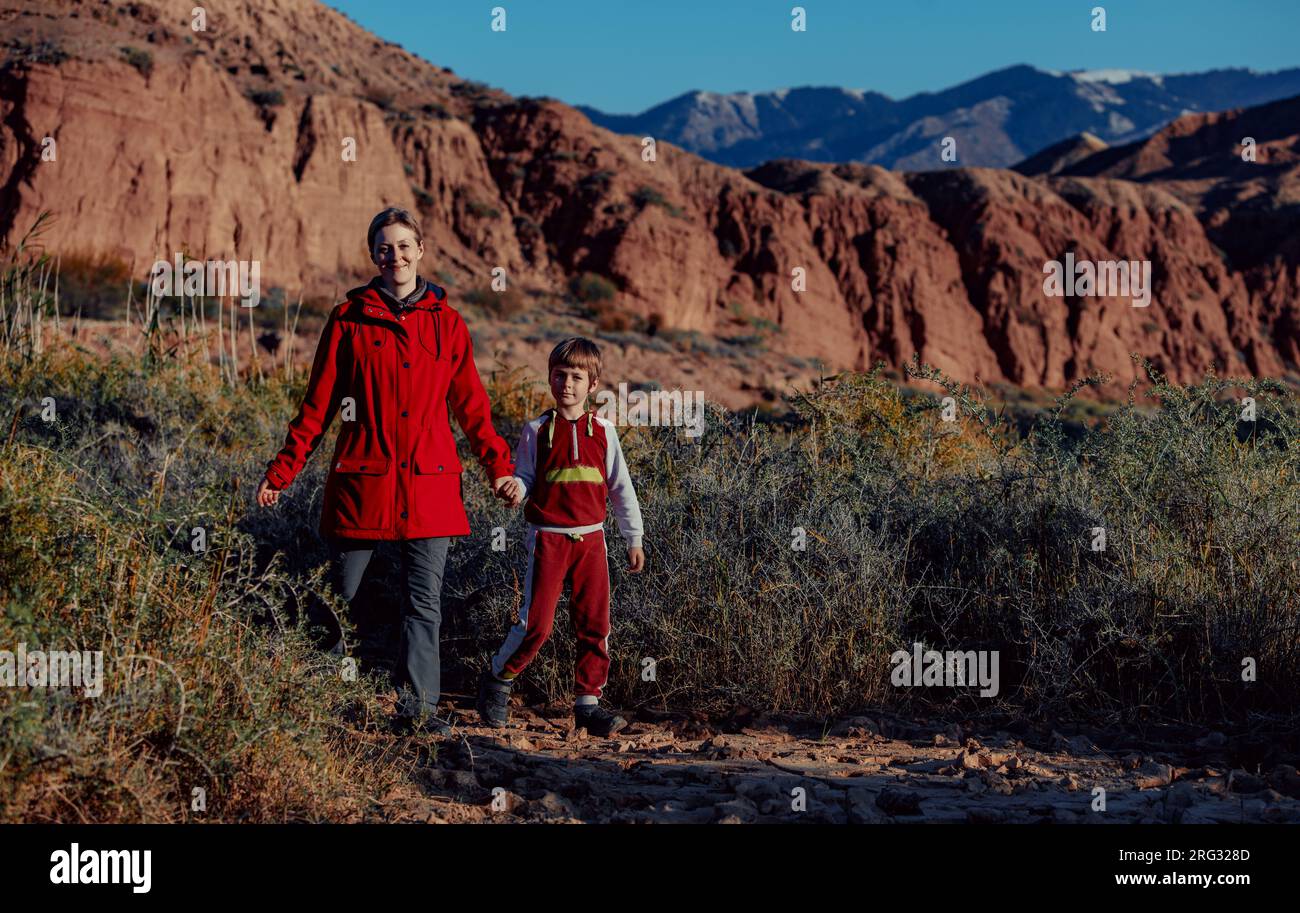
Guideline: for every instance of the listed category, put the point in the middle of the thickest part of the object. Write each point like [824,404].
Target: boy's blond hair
[576,352]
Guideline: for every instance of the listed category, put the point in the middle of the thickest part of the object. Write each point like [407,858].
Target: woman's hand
[266,495]
[508,489]
[511,490]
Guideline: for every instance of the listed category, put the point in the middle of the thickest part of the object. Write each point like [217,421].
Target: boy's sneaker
[493,700]
[597,720]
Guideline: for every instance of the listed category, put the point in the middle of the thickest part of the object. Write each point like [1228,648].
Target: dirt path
[863,770]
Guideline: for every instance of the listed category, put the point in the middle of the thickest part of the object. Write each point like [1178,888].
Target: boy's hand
[635,559]
[512,492]
[266,495]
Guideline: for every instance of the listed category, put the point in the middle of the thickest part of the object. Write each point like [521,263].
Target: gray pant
[423,560]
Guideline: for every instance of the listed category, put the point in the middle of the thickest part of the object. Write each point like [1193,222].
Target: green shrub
[963,535]
[46,51]
[140,59]
[482,210]
[590,288]
[266,98]
[649,196]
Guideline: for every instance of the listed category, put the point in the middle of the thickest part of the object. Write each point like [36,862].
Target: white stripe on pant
[519,630]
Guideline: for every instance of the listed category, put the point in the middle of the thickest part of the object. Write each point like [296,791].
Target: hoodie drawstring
[550,427]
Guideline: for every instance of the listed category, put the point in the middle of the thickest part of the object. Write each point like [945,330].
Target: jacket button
[403,515]
[378,343]
[403,464]
[440,469]
[403,414]
[406,364]
[363,467]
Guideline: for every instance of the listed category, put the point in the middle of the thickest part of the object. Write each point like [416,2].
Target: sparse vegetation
[140,59]
[597,181]
[423,198]
[649,196]
[480,210]
[266,98]
[19,51]
[971,534]
[502,305]
[591,288]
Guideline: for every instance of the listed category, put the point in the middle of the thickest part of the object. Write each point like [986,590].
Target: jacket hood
[434,296]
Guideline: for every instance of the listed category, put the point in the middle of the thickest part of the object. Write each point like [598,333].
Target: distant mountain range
[997,120]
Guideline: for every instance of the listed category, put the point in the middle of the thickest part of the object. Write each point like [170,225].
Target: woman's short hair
[392,216]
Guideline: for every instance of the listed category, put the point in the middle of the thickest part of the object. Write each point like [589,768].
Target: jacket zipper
[574,428]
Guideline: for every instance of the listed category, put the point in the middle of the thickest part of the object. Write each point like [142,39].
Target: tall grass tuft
[787,562]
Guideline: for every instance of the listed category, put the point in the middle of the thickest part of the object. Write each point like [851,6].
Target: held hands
[266,495]
[509,489]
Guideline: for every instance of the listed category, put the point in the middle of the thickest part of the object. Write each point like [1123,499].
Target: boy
[566,462]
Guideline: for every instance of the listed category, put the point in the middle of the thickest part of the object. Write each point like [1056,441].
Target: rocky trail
[859,770]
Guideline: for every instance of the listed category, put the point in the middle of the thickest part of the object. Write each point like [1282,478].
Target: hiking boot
[421,723]
[493,701]
[413,717]
[597,720]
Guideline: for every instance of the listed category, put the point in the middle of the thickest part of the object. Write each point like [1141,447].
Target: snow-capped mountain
[995,120]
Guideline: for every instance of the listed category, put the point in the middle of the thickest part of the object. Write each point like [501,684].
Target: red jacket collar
[365,300]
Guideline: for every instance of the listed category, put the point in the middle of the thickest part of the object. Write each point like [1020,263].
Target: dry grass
[964,535]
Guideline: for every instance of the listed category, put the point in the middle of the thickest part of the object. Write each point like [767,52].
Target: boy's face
[396,254]
[570,386]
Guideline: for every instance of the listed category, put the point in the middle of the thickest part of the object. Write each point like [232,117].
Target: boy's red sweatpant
[554,558]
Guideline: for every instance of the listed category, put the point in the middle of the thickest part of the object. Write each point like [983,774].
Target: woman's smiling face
[396,254]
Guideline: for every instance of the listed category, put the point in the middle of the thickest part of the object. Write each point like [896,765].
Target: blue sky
[623,56]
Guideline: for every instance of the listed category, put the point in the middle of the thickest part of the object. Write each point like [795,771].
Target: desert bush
[211,680]
[503,305]
[93,285]
[591,288]
[480,210]
[649,196]
[959,535]
[24,52]
[266,98]
[787,562]
[141,59]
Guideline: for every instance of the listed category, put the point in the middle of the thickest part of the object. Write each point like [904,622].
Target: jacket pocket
[363,465]
[360,493]
[435,453]
[437,498]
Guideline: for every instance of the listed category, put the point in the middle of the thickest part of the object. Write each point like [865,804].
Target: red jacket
[394,473]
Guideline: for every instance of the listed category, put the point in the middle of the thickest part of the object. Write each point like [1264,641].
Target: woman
[393,359]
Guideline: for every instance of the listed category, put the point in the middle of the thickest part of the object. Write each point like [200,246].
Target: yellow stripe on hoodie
[575,474]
